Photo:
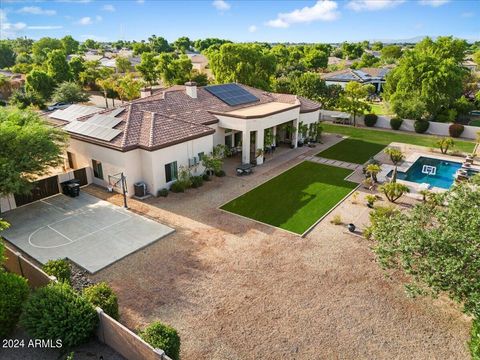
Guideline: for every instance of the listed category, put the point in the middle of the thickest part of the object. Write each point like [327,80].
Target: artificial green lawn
[365,143]
[295,199]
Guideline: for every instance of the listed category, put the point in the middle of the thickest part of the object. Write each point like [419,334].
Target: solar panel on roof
[92,130]
[231,94]
[104,120]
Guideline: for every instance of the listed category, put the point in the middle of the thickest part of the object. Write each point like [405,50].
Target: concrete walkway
[337,163]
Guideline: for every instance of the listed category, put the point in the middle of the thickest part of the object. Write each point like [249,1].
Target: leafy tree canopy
[69,92]
[43,46]
[148,67]
[7,55]
[70,45]
[29,149]
[57,66]
[39,82]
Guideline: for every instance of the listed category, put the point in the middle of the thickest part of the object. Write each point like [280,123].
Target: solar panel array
[231,94]
[104,120]
[92,130]
[74,112]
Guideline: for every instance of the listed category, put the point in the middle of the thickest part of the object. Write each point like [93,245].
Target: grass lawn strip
[365,143]
[295,199]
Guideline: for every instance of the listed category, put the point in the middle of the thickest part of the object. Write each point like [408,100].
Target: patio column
[259,145]
[245,147]
[295,134]
[274,132]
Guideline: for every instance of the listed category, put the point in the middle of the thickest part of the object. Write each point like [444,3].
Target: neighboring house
[152,138]
[200,63]
[332,60]
[470,65]
[14,82]
[375,53]
[111,62]
[374,76]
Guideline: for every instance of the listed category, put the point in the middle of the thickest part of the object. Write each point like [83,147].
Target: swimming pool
[436,172]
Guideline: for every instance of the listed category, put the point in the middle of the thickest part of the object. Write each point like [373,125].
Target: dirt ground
[237,289]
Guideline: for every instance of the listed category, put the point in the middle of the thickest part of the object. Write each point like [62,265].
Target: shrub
[393,190]
[162,192]
[444,144]
[220,173]
[197,181]
[455,130]
[178,187]
[396,123]
[421,126]
[56,311]
[474,343]
[59,268]
[370,120]
[163,337]
[371,199]
[336,220]
[206,177]
[103,296]
[13,293]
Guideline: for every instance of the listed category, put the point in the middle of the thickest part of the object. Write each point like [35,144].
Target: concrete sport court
[91,232]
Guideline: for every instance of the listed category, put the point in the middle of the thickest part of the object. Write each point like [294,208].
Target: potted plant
[370,200]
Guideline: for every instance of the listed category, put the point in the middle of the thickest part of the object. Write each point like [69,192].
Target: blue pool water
[443,178]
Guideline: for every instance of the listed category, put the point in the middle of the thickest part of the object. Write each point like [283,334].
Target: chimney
[191,89]
[145,92]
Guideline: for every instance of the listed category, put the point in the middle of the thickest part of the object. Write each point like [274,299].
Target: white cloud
[252,28]
[7,29]
[372,5]
[468,14]
[321,11]
[433,3]
[87,20]
[44,27]
[36,10]
[108,7]
[221,5]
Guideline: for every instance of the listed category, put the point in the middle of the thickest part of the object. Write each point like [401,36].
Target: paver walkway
[337,163]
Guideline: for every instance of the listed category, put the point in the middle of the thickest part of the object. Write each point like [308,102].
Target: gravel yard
[237,289]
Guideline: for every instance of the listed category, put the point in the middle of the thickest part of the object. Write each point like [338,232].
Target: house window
[97,169]
[71,163]
[171,171]
[201,155]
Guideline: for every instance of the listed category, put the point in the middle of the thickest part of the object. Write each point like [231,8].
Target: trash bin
[140,189]
[71,187]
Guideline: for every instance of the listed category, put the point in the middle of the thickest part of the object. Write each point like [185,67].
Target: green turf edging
[295,199]
[386,137]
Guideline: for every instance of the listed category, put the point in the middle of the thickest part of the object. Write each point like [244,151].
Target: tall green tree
[77,65]
[30,148]
[159,44]
[354,98]
[128,88]
[43,46]
[174,70]
[249,64]
[431,74]
[89,76]
[7,55]
[148,68]
[315,59]
[182,44]
[41,83]
[57,66]
[391,53]
[70,45]
[122,64]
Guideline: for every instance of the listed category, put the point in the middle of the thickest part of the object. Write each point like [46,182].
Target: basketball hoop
[118,181]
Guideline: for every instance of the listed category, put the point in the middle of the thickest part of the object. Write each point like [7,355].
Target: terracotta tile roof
[170,116]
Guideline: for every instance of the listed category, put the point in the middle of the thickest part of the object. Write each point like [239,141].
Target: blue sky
[271,21]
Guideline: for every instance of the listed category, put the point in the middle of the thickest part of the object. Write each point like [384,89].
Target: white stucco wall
[139,165]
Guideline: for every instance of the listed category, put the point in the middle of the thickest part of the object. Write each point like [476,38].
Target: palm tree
[373,170]
[107,84]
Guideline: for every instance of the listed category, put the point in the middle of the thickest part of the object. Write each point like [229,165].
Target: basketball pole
[124,191]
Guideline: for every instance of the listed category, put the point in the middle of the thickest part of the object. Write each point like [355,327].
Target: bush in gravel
[220,173]
[103,296]
[474,343]
[59,268]
[396,123]
[57,311]
[455,130]
[421,126]
[197,181]
[162,192]
[178,187]
[206,177]
[13,293]
[370,120]
[164,337]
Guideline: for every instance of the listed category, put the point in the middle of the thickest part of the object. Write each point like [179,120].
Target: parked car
[58,106]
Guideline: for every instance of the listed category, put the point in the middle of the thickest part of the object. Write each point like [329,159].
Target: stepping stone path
[337,163]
